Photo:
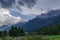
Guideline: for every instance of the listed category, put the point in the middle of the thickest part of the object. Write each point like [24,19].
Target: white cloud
[37,6]
[34,10]
[6,18]
[41,6]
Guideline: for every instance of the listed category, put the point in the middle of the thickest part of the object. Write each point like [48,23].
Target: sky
[14,11]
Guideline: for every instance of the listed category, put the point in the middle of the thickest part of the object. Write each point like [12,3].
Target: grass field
[33,37]
[53,37]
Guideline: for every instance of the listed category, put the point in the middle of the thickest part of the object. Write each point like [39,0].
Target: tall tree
[14,31]
[4,33]
[0,33]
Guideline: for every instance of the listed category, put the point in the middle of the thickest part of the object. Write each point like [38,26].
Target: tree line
[13,32]
[17,31]
[50,30]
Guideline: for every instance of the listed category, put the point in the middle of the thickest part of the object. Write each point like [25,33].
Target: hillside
[52,17]
[50,30]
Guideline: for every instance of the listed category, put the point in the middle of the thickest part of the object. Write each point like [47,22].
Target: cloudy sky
[14,11]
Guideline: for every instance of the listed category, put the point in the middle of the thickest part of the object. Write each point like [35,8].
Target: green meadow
[53,37]
[33,37]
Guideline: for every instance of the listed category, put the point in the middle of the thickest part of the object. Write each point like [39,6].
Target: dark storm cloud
[29,3]
[9,3]
[6,3]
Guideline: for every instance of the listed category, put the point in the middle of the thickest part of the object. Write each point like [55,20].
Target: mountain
[50,18]
[49,14]
[43,20]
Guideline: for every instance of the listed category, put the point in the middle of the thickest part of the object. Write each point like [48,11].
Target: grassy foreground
[33,37]
[53,37]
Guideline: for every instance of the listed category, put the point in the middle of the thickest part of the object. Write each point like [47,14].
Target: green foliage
[4,33]
[14,32]
[51,30]
[0,33]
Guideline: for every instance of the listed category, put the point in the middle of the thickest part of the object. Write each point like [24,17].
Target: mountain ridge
[40,21]
[37,23]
